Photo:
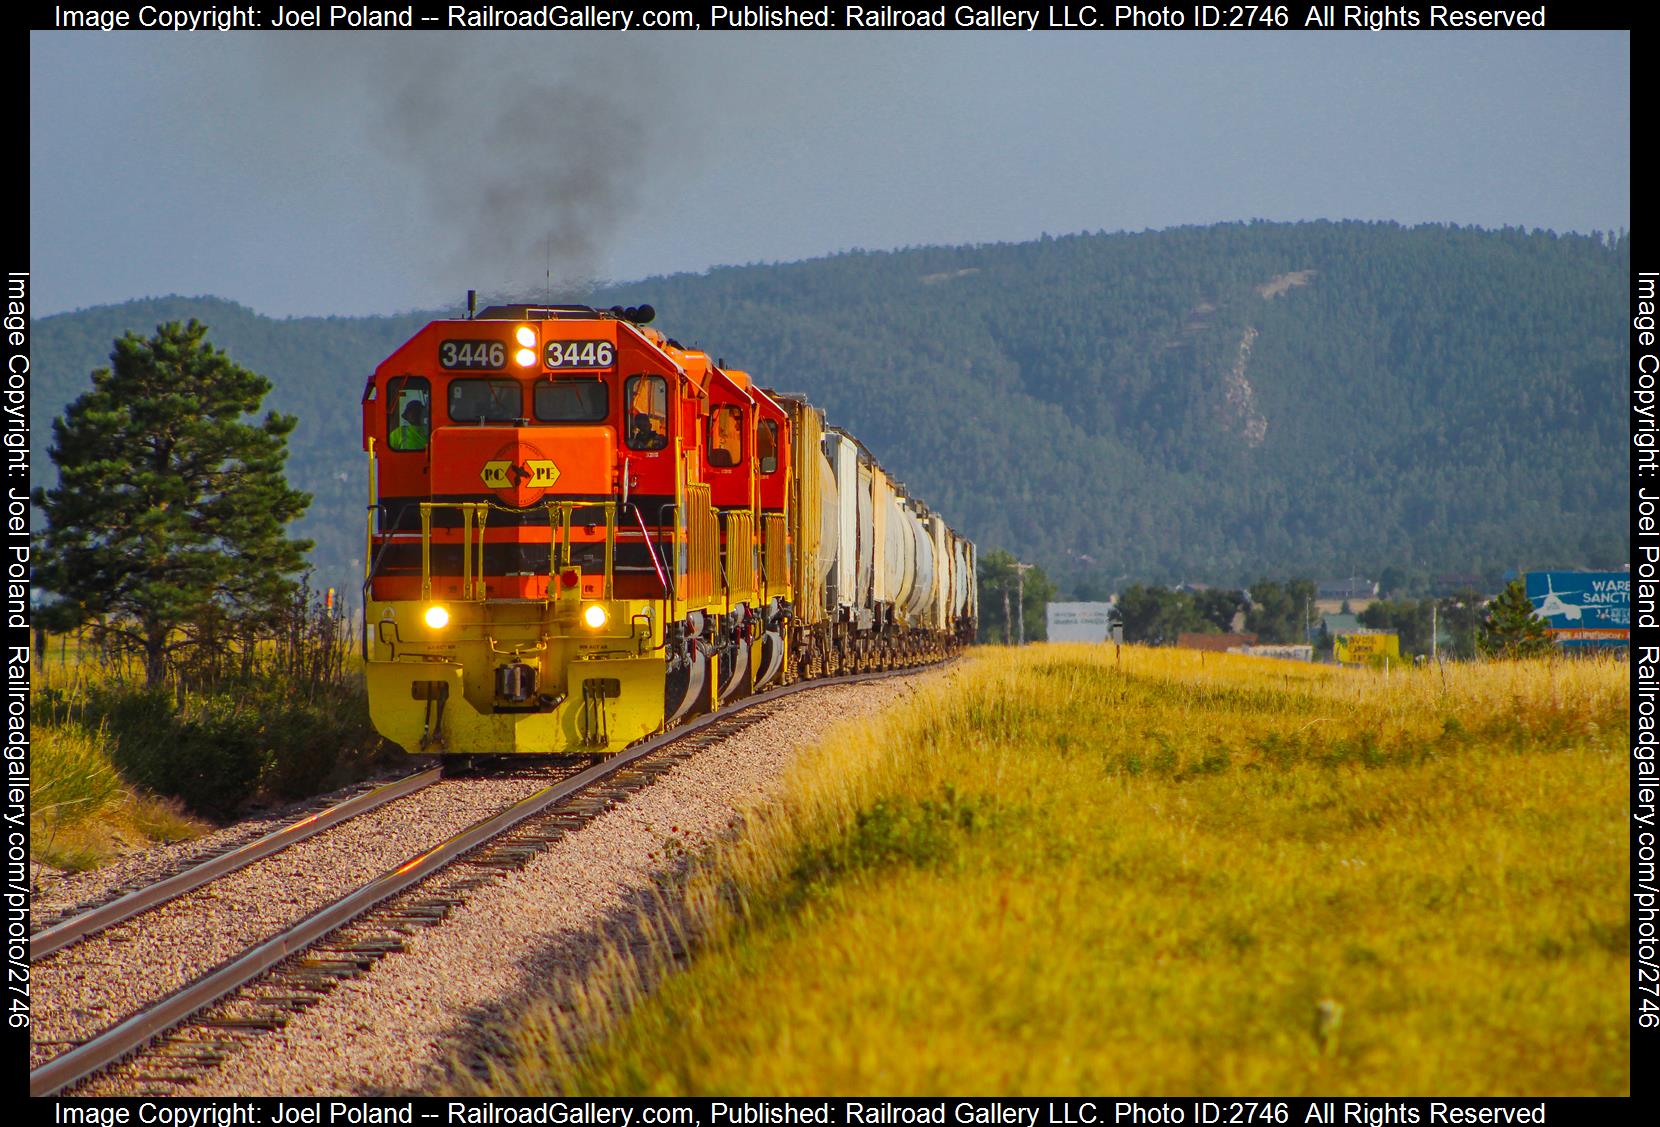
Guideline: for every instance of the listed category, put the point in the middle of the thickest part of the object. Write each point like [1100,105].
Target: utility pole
[1020,602]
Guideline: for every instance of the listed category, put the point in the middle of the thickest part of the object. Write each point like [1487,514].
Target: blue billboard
[1583,608]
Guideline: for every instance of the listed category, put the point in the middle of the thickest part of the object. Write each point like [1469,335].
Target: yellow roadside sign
[1361,649]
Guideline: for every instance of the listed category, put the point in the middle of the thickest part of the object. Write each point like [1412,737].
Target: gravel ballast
[59,894]
[401,1028]
[91,985]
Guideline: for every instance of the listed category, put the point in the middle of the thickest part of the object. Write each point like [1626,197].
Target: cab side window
[646,410]
[766,446]
[408,413]
[726,443]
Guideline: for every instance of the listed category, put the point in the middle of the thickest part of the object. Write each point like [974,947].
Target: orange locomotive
[582,532]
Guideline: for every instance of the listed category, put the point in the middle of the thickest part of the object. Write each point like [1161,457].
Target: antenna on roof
[472,303]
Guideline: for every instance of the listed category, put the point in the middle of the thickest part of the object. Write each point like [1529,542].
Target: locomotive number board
[468,355]
[579,354]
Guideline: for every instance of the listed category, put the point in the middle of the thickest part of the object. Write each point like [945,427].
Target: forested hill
[1209,404]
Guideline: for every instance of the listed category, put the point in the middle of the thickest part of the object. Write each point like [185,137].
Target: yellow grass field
[1178,873]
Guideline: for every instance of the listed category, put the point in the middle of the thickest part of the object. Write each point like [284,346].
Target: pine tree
[1510,629]
[170,511]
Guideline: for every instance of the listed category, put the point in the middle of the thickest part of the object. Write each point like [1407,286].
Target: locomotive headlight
[525,357]
[594,616]
[526,336]
[437,617]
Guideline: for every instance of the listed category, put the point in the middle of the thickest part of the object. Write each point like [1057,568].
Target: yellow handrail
[560,514]
[369,532]
[426,552]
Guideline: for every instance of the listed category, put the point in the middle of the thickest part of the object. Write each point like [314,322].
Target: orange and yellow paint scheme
[571,541]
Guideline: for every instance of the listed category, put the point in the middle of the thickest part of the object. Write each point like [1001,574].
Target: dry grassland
[1178,873]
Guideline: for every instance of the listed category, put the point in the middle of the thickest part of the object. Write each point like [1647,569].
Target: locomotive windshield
[485,401]
[647,400]
[572,401]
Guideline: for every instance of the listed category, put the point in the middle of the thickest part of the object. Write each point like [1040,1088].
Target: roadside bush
[276,717]
[317,742]
[216,751]
[208,753]
[276,727]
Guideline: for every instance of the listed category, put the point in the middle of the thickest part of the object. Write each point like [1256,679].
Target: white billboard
[1284,653]
[1080,622]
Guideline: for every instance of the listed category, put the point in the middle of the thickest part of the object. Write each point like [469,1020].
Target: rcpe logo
[535,473]
[519,473]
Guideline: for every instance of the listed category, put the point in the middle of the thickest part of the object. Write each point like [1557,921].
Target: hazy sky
[361,173]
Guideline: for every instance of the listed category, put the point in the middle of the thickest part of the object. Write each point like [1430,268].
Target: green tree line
[1200,404]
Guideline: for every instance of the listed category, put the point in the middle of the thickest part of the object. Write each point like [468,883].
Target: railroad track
[131,903]
[260,989]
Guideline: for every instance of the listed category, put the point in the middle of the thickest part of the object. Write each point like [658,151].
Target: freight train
[582,532]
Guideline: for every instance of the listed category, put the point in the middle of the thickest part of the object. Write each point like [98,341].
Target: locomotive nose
[522,465]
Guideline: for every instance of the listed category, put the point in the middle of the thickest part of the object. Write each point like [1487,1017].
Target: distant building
[1080,622]
[1331,625]
[1217,643]
[1340,590]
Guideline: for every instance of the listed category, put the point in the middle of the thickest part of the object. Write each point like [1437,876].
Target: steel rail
[121,1039]
[61,935]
